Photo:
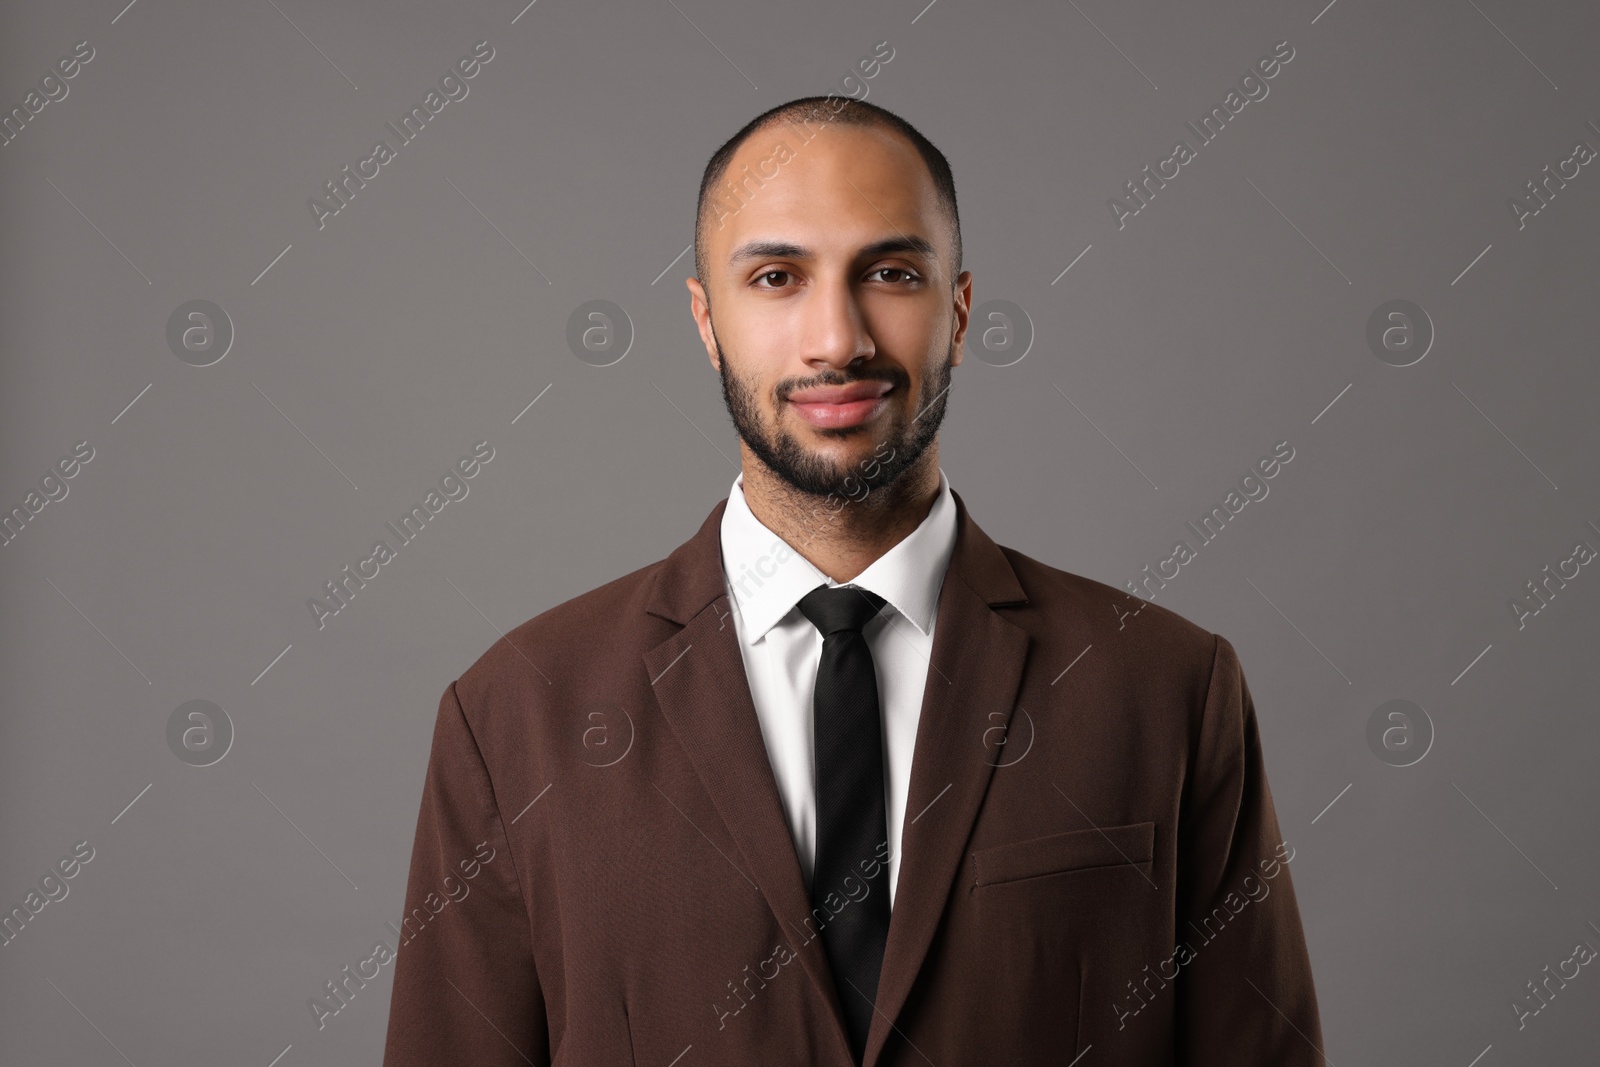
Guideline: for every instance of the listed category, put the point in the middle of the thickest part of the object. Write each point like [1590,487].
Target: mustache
[892,376]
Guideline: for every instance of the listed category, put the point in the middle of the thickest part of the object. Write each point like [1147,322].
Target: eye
[906,276]
[767,275]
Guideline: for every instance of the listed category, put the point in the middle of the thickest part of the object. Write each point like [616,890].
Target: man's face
[836,321]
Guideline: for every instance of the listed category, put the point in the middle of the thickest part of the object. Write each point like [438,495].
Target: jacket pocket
[1074,850]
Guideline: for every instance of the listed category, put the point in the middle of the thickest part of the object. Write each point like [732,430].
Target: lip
[837,406]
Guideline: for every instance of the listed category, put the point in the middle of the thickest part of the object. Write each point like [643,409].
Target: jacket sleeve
[1245,992]
[465,987]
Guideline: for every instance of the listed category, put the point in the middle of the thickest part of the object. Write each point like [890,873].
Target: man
[841,780]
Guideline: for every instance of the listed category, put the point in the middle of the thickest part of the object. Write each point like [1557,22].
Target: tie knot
[835,608]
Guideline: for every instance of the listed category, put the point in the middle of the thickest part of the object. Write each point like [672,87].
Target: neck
[840,536]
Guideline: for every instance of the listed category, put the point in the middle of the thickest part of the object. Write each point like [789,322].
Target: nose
[834,331]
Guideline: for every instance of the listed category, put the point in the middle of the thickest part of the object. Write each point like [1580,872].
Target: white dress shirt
[781,648]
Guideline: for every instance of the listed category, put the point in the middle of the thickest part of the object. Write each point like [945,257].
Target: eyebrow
[750,250]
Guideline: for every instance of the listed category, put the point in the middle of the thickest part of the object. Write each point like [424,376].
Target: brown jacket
[1090,860]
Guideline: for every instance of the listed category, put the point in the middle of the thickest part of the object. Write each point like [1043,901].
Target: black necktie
[851,818]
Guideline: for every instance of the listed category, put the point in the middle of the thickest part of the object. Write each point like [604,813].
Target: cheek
[917,339]
[761,348]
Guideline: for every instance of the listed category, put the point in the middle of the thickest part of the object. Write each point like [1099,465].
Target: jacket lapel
[973,678]
[974,672]
[699,682]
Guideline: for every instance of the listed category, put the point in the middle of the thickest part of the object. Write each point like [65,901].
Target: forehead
[845,187]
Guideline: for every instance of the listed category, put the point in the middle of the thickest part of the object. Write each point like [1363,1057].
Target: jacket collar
[691,577]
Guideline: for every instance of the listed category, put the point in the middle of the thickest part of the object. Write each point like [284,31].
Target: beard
[816,475]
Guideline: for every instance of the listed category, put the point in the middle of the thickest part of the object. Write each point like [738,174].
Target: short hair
[845,111]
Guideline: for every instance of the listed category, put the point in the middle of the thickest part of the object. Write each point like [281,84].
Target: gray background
[1227,316]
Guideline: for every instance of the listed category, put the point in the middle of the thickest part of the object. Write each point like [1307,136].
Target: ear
[962,299]
[700,308]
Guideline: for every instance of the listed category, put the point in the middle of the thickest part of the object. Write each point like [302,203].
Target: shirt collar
[766,577]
